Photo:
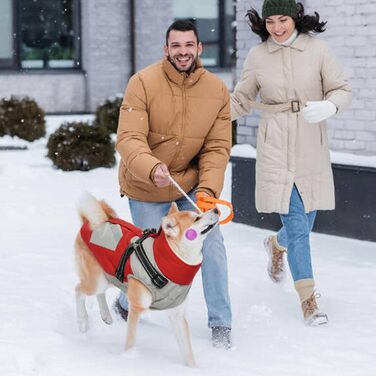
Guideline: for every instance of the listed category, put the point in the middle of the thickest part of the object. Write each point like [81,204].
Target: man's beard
[189,70]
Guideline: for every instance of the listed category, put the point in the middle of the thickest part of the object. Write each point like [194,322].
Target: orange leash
[207,203]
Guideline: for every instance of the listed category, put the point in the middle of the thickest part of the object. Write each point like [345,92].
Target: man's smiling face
[183,50]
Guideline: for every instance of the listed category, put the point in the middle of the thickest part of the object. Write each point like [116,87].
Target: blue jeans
[214,264]
[294,235]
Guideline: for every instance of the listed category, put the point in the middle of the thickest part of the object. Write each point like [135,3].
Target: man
[175,121]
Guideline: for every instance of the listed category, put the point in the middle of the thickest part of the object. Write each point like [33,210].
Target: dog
[176,249]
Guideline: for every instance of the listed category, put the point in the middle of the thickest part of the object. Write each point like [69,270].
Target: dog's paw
[83,326]
[191,364]
[107,319]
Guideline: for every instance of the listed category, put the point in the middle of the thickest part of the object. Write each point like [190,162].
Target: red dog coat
[109,241]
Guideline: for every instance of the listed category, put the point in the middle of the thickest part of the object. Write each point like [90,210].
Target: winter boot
[221,337]
[276,264]
[120,310]
[311,313]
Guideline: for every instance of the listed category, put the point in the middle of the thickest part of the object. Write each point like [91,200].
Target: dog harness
[153,263]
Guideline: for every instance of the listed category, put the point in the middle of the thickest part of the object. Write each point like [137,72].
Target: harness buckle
[295,106]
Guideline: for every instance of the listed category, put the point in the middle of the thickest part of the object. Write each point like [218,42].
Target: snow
[38,330]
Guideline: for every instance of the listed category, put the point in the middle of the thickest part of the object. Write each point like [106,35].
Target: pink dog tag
[191,234]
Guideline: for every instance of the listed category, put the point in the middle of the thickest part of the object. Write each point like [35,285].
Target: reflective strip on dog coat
[108,242]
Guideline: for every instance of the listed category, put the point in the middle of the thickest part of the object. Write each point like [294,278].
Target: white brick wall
[105,45]
[106,42]
[351,31]
[153,17]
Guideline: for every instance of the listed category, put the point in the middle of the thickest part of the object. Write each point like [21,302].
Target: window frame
[222,40]
[15,62]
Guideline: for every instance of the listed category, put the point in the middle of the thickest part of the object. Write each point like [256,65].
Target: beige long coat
[290,150]
[179,119]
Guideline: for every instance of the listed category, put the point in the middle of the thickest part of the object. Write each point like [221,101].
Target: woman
[300,86]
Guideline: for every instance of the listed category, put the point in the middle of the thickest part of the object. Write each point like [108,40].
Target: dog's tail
[94,211]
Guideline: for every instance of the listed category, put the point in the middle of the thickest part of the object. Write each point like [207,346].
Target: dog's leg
[181,330]
[103,308]
[82,316]
[140,299]
[102,285]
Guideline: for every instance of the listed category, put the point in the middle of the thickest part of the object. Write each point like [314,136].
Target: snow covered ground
[38,331]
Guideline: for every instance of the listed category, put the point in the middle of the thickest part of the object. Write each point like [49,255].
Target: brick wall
[153,17]
[351,31]
[106,43]
[105,48]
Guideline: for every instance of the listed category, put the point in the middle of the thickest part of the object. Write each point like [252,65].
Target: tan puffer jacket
[178,119]
[290,150]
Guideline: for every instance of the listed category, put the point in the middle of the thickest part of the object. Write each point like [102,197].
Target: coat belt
[293,106]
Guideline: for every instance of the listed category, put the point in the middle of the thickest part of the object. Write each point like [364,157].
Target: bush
[22,117]
[2,125]
[107,114]
[79,146]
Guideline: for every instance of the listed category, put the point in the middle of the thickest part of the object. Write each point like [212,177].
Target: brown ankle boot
[312,315]
[276,264]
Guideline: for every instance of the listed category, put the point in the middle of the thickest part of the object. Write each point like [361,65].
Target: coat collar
[181,78]
[174,268]
[299,43]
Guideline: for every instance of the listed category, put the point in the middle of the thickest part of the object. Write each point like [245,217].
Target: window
[6,33]
[214,20]
[46,34]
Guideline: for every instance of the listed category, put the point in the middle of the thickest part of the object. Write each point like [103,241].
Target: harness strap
[157,279]
[119,273]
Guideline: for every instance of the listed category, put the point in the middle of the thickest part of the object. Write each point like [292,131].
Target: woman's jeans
[214,265]
[294,235]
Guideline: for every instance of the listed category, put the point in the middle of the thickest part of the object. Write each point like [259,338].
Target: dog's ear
[173,208]
[170,226]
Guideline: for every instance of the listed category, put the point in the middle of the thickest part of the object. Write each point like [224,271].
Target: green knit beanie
[282,7]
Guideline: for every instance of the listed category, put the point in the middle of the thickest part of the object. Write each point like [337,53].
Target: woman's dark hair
[182,25]
[303,23]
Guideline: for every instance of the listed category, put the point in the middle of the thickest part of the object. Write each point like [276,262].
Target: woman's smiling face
[280,27]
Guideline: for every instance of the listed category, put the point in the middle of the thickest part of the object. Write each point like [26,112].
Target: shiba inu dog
[155,269]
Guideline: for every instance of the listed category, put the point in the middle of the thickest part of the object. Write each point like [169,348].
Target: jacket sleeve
[245,91]
[215,153]
[335,86]
[133,130]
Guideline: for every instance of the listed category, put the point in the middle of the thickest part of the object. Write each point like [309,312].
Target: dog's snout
[215,210]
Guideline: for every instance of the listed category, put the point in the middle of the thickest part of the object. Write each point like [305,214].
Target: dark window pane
[214,20]
[6,33]
[210,55]
[48,34]
[229,32]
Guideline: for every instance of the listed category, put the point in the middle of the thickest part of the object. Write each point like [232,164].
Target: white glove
[316,111]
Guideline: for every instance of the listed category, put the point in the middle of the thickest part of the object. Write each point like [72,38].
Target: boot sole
[318,321]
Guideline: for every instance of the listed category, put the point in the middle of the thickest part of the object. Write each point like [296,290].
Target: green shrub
[107,114]
[2,125]
[22,117]
[79,146]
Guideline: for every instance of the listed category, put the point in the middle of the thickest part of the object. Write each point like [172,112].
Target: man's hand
[201,203]
[316,111]
[161,176]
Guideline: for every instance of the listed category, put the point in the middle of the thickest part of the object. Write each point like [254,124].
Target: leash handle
[208,202]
